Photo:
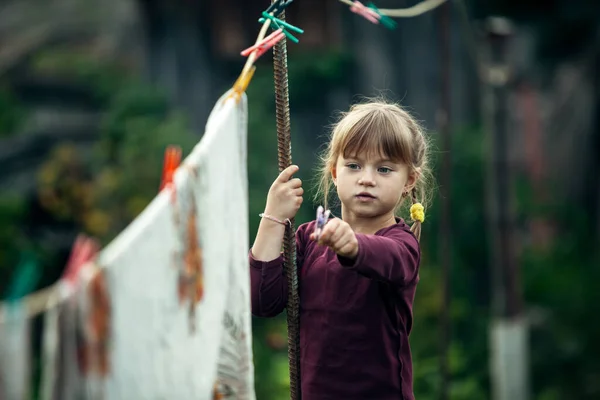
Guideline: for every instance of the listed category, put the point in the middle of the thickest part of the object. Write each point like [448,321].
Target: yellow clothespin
[242,82]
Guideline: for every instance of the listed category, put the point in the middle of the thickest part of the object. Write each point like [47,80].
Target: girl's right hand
[285,195]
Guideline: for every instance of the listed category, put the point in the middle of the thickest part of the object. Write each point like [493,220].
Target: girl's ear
[334,175]
[413,177]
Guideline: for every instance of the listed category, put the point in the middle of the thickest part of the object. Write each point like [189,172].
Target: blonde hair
[387,129]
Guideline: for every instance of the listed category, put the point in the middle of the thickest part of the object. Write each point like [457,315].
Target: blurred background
[92,92]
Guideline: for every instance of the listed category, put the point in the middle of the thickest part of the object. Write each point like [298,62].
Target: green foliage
[104,77]
[559,283]
[324,71]
[12,213]
[12,113]
[468,308]
[104,194]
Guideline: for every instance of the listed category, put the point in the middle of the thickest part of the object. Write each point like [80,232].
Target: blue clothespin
[322,218]
[25,279]
[277,8]
[383,19]
[279,24]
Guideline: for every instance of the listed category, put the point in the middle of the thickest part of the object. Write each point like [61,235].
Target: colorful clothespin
[368,13]
[264,44]
[170,164]
[277,8]
[279,24]
[322,218]
[83,251]
[25,279]
[242,82]
[384,19]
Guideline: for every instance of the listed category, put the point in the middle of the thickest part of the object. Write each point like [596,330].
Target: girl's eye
[384,170]
[353,166]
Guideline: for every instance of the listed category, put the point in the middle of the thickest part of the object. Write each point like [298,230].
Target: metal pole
[284,157]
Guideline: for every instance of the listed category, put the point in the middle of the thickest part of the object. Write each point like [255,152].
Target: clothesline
[414,11]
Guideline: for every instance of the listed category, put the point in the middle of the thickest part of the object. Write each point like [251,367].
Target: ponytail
[417,214]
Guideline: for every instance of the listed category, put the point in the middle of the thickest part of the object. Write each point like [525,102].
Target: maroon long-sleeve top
[355,315]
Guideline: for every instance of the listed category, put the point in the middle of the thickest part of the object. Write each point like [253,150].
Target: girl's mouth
[364,196]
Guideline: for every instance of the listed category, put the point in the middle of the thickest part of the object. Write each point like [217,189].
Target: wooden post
[445,253]
[508,329]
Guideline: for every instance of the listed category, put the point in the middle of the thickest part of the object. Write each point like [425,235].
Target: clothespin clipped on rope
[25,279]
[372,14]
[171,162]
[368,13]
[277,8]
[242,82]
[384,19]
[264,45]
[279,24]
[84,250]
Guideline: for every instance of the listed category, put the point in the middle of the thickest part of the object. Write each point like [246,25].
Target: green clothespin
[283,25]
[383,19]
[25,279]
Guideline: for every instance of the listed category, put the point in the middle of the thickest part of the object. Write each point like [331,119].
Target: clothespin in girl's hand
[368,13]
[264,45]
[322,218]
[170,164]
[384,19]
[277,8]
[279,24]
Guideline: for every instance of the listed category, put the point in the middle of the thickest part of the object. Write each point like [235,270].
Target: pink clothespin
[84,250]
[366,12]
[264,45]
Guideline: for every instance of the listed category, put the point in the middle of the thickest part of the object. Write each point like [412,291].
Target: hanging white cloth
[15,357]
[178,281]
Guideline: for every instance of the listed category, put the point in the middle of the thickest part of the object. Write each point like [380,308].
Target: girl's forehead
[368,156]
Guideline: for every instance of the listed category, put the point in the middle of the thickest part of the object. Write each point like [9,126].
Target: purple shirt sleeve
[268,283]
[268,286]
[393,258]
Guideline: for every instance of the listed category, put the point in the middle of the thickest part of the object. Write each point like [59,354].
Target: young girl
[357,279]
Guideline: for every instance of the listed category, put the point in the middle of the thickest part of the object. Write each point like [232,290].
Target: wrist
[275,219]
[353,253]
[275,213]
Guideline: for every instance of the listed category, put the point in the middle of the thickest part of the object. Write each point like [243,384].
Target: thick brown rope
[284,155]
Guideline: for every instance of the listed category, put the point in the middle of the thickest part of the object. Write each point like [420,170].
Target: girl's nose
[366,179]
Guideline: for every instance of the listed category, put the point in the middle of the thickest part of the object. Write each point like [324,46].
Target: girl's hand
[340,237]
[285,195]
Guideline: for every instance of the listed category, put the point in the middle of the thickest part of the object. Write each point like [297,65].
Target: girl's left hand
[340,237]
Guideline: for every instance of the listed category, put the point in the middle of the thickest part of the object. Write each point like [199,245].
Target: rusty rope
[284,156]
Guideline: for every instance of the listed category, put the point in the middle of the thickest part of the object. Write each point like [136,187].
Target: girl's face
[370,186]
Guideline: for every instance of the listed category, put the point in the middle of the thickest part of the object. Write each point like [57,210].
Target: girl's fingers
[337,236]
[346,249]
[287,173]
[295,183]
[328,230]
